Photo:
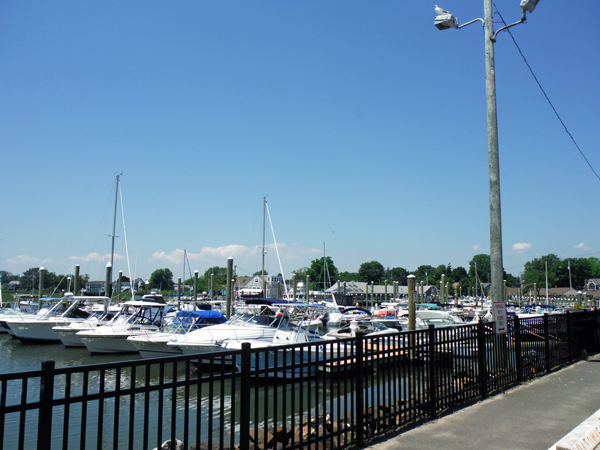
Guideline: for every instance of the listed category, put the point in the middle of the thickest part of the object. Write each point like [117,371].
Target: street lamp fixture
[529,5]
[443,21]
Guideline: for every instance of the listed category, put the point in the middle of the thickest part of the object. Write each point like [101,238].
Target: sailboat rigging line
[189,267]
[126,247]
[326,276]
[276,250]
[61,280]
[185,258]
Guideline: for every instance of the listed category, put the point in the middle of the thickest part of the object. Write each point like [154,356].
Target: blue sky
[363,125]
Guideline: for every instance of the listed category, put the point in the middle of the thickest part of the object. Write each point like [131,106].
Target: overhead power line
[546,96]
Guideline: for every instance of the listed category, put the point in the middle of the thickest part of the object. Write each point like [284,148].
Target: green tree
[484,268]
[301,273]
[348,276]
[442,270]
[7,277]
[30,279]
[162,279]
[371,271]
[323,273]
[258,273]
[594,267]
[219,278]
[398,274]
[511,280]
[581,269]
[535,271]
[426,274]
[459,273]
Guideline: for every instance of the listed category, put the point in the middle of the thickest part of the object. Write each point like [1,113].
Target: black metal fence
[317,395]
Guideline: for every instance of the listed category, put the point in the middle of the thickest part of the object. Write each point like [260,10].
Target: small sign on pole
[499,309]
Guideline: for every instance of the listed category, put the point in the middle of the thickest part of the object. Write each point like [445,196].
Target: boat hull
[153,348]
[108,344]
[36,331]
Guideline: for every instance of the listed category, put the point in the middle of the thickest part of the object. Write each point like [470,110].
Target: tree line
[571,272]
[322,272]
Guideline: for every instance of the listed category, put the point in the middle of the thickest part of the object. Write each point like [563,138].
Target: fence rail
[328,394]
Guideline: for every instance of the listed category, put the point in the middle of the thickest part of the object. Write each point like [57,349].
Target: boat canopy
[429,305]
[270,301]
[193,316]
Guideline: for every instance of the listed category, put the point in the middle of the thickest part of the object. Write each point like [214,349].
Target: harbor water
[18,357]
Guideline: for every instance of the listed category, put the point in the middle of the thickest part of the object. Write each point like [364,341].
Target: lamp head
[445,21]
[529,5]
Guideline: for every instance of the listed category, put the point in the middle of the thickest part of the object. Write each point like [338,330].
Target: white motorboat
[70,309]
[364,327]
[20,307]
[135,317]
[258,319]
[436,318]
[333,313]
[358,314]
[38,310]
[293,328]
[387,314]
[154,344]
[98,317]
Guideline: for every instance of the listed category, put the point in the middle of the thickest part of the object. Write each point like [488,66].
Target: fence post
[360,404]
[547,342]
[481,355]
[569,338]
[518,355]
[245,397]
[432,380]
[46,395]
[596,331]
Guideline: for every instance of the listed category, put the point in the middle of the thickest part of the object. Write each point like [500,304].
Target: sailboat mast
[112,251]
[324,269]
[263,248]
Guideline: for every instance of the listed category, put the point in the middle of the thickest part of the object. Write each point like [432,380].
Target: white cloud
[235,251]
[520,247]
[96,257]
[477,248]
[224,252]
[175,257]
[582,246]
[28,260]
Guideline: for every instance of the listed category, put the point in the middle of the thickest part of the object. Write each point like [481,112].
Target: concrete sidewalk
[533,416]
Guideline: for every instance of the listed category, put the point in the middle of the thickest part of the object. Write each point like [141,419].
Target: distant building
[564,292]
[254,287]
[95,287]
[13,285]
[359,289]
[593,284]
